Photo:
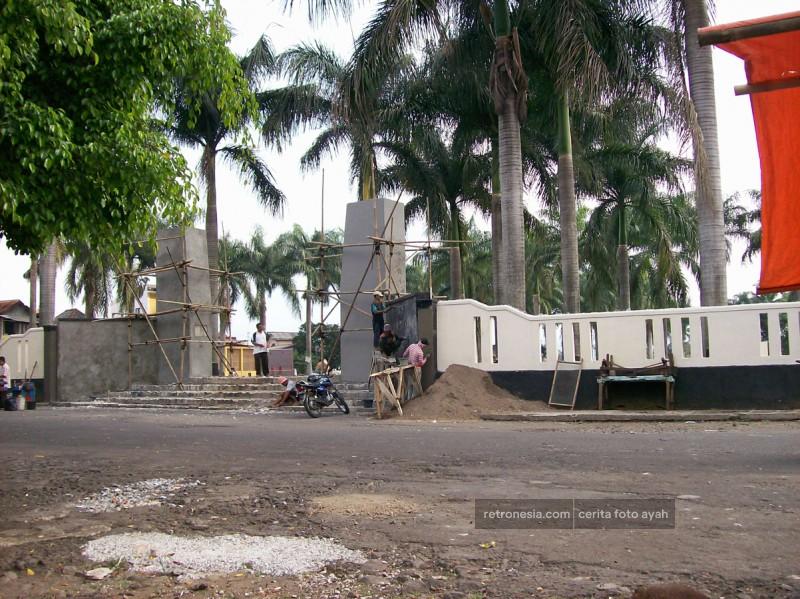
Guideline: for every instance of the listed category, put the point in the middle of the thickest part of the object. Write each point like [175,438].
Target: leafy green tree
[80,83]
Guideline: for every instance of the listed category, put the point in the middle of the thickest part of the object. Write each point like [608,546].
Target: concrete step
[190,401]
[251,393]
[357,410]
[210,387]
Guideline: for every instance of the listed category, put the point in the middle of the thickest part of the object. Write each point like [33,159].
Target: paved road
[740,529]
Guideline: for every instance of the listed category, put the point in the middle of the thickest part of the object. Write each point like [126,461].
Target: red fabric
[777,124]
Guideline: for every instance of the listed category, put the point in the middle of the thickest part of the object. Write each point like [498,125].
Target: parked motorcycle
[319,392]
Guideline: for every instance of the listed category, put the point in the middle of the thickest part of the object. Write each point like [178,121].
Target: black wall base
[713,387]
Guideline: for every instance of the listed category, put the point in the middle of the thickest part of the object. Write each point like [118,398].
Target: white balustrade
[502,338]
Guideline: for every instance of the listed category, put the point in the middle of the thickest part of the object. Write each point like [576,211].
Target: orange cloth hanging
[777,124]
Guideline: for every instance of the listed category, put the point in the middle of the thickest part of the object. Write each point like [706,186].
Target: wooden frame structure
[398,384]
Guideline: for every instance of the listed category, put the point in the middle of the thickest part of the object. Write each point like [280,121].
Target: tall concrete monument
[173,247]
[385,272]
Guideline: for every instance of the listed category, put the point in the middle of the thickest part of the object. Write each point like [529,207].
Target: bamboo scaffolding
[160,340]
[128,284]
[152,271]
[221,355]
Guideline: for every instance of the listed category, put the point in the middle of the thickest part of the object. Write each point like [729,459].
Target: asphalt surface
[737,522]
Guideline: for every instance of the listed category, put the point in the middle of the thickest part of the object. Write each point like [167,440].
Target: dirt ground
[464,393]
[402,493]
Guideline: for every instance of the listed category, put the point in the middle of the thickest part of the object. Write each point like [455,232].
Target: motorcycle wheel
[341,403]
[312,407]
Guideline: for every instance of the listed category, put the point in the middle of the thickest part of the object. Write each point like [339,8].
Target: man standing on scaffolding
[378,309]
[260,353]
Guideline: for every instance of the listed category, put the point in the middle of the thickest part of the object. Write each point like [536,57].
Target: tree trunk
[89,301]
[368,186]
[455,273]
[512,271]
[48,286]
[711,225]
[456,264]
[33,273]
[498,257]
[623,278]
[570,274]
[309,337]
[262,311]
[212,233]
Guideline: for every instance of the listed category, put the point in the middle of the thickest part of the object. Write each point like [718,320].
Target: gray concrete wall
[93,357]
[169,285]
[363,219]
[403,318]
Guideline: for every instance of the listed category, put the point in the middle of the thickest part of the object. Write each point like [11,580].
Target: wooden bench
[662,372]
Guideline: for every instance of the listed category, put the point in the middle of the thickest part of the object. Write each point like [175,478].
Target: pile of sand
[464,393]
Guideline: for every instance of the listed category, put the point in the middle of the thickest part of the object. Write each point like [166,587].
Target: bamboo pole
[130,354]
[214,347]
[151,271]
[153,330]
[322,277]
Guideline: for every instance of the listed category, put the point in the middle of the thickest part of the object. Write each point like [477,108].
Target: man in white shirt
[260,354]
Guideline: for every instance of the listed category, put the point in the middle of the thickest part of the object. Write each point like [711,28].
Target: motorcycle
[320,392]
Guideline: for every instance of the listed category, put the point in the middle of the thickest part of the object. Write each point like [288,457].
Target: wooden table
[603,380]
[397,384]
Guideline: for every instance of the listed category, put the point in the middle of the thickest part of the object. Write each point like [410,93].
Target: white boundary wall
[752,335]
[24,350]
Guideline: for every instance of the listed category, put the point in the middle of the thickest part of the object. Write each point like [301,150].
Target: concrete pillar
[169,288]
[366,218]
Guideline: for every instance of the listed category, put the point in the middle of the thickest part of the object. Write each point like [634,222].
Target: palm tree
[33,281]
[90,274]
[395,27]
[692,15]
[267,268]
[509,88]
[744,223]
[443,179]
[542,263]
[50,261]
[591,50]
[631,173]
[209,132]
[322,92]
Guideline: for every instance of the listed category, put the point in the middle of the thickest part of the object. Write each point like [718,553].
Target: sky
[240,212]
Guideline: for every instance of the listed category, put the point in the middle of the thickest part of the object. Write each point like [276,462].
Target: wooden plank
[721,34]
[766,86]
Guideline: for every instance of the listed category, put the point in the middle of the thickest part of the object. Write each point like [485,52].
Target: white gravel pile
[145,493]
[194,557]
